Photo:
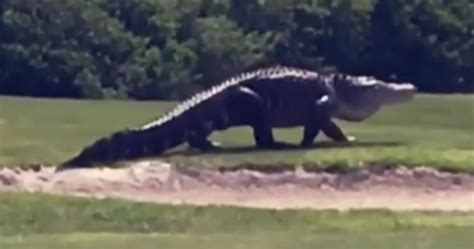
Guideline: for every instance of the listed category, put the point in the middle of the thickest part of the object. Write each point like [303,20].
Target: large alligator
[262,99]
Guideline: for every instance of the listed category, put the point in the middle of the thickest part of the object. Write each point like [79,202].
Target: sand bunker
[155,181]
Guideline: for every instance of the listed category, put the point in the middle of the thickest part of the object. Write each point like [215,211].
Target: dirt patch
[155,181]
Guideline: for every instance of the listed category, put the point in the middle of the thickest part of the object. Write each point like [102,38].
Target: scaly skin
[275,97]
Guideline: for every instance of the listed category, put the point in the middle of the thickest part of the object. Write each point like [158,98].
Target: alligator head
[359,97]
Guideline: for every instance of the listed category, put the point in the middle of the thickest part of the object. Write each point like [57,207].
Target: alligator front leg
[319,119]
[263,134]
[333,131]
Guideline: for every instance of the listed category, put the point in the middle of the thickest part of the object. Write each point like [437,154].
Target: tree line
[167,49]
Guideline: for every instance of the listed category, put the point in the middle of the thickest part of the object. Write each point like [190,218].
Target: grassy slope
[432,130]
[42,221]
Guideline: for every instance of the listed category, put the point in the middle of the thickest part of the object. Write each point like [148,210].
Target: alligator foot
[212,145]
[349,139]
[206,146]
[345,139]
[333,131]
[305,145]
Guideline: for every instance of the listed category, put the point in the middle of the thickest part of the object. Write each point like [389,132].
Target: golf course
[434,131]
[237,124]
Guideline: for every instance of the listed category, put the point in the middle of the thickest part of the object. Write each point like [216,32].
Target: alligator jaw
[361,97]
[399,93]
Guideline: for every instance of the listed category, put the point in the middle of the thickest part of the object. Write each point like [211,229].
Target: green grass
[434,130]
[408,240]
[43,221]
[41,213]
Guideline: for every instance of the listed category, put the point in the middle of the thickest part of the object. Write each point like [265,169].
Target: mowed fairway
[442,239]
[433,130]
[42,221]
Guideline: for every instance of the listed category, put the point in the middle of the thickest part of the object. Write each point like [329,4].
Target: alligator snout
[400,93]
[404,87]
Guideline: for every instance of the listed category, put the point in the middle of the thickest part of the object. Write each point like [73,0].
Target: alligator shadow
[285,147]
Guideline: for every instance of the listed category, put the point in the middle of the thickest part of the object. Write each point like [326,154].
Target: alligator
[262,99]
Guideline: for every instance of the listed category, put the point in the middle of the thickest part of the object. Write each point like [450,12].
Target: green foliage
[78,51]
[223,49]
[434,45]
[149,49]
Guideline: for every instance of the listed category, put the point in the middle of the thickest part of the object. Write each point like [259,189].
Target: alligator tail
[162,134]
[129,144]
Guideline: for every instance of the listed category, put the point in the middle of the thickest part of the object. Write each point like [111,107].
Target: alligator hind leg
[263,134]
[246,107]
[203,144]
[198,139]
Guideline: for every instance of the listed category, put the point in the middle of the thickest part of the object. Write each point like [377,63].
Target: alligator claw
[208,146]
[351,139]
